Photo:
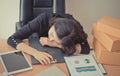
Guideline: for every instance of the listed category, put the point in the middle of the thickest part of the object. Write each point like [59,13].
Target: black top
[41,26]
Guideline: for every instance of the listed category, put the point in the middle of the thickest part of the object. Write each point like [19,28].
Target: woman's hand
[43,58]
[45,41]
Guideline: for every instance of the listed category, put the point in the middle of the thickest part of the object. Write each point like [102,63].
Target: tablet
[15,62]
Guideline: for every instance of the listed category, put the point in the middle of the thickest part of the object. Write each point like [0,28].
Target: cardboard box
[109,42]
[103,56]
[109,26]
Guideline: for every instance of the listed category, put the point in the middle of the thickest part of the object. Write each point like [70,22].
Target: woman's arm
[35,25]
[45,41]
[42,57]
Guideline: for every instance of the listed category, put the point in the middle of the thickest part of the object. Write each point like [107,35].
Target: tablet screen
[14,62]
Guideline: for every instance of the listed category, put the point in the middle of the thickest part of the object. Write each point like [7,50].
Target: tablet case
[14,62]
[55,52]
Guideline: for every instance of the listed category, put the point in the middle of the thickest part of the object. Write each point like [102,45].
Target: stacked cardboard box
[106,33]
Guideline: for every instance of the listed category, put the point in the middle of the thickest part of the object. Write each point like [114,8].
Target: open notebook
[55,52]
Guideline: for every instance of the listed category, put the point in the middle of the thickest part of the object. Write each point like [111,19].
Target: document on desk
[99,65]
[83,65]
[51,71]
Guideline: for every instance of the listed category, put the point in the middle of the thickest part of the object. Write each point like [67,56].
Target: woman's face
[53,36]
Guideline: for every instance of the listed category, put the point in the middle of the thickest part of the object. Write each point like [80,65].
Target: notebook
[51,71]
[55,52]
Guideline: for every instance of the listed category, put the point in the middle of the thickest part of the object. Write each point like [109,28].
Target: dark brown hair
[70,32]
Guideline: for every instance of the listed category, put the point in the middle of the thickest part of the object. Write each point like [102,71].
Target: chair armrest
[18,25]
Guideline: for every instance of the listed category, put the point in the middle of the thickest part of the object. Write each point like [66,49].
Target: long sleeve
[38,25]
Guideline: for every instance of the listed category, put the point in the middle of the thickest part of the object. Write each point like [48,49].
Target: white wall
[85,11]
[90,11]
[8,17]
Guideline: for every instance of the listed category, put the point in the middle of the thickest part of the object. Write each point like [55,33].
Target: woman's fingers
[45,61]
[48,55]
[44,58]
[44,41]
[41,61]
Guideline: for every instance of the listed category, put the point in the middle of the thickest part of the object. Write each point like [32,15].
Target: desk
[4,47]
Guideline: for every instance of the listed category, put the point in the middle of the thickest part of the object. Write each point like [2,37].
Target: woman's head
[68,33]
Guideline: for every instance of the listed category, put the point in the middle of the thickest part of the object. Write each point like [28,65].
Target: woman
[55,31]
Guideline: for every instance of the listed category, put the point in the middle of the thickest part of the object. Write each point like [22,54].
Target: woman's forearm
[26,48]
[42,57]
[45,41]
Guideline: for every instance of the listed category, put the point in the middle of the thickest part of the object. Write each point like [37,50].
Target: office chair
[29,9]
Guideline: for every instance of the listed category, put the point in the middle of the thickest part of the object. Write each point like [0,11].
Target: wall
[88,12]
[85,11]
[8,16]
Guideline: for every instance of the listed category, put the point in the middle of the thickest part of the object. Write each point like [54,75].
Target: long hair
[70,32]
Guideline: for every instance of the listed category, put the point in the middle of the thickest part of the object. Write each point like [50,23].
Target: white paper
[83,65]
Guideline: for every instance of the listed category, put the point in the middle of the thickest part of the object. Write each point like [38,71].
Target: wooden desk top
[4,47]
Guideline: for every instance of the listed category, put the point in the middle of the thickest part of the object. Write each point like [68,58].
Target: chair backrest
[29,9]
